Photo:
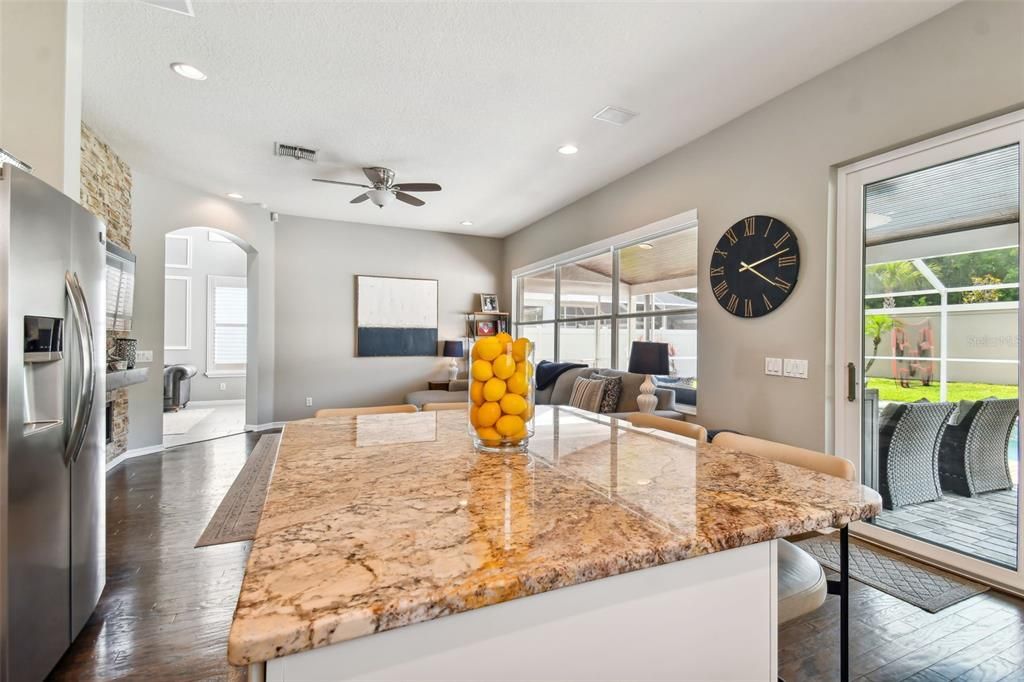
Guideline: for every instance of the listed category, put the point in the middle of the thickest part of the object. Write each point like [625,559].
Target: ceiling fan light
[381,197]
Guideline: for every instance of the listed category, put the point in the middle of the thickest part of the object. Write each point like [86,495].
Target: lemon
[509,425]
[518,384]
[488,435]
[488,348]
[520,349]
[513,404]
[525,368]
[473,411]
[473,354]
[527,414]
[482,370]
[494,389]
[504,339]
[488,414]
[476,392]
[519,436]
[504,366]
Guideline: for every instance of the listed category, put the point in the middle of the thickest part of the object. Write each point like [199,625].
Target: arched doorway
[206,328]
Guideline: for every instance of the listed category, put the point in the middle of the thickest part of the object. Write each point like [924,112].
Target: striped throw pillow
[587,394]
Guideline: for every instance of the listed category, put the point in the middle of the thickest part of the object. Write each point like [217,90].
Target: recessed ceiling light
[234,195]
[466,223]
[646,246]
[568,149]
[188,71]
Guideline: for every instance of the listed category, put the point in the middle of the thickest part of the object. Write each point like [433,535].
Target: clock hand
[748,267]
[756,263]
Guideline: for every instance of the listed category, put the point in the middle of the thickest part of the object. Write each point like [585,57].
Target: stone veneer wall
[107,192]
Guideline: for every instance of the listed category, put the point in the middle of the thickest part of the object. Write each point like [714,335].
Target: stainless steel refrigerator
[52,451]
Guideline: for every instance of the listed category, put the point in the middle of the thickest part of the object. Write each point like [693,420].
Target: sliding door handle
[86,392]
[851,382]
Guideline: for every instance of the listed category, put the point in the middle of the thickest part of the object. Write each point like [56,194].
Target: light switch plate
[795,368]
[773,367]
[144,356]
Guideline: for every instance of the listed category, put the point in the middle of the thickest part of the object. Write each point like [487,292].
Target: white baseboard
[130,454]
[214,403]
[264,427]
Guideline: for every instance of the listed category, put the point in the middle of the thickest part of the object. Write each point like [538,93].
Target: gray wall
[160,206]
[208,258]
[963,65]
[317,261]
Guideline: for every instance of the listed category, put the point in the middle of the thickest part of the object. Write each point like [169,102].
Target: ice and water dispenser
[44,373]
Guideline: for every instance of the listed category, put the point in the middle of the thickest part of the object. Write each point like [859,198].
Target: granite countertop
[380,521]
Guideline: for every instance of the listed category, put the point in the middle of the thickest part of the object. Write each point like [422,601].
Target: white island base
[713,617]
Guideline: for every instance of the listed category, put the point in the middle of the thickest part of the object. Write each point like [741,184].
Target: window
[226,325]
[643,286]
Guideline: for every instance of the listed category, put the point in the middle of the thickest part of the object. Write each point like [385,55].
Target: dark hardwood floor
[167,606]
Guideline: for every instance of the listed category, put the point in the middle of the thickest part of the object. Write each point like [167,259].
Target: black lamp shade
[648,358]
[452,349]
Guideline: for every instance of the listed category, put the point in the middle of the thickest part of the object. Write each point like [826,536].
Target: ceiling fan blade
[373,175]
[409,199]
[418,187]
[339,182]
[360,199]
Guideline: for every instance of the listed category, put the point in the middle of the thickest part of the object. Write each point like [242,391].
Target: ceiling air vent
[295,152]
[615,116]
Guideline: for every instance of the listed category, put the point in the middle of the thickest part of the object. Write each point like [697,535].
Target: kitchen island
[389,549]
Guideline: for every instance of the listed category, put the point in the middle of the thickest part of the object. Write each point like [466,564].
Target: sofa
[558,393]
[177,386]
[458,392]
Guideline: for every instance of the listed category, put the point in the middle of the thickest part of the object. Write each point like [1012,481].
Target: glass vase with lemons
[501,393]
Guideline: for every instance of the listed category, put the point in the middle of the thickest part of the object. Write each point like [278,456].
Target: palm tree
[875,326]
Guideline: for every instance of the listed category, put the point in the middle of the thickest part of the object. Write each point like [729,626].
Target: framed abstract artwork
[395,316]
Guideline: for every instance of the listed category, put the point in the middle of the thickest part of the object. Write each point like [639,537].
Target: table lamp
[453,350]
[646,357]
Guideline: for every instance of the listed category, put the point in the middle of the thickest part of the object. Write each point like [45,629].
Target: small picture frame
[486,328]
[488,303]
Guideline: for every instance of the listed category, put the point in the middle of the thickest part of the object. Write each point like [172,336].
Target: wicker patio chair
[908,452]
[973,453]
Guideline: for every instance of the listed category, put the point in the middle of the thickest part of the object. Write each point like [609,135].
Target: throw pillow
[586,394]
[612,393]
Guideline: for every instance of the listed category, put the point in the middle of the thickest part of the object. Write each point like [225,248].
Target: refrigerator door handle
[84,400]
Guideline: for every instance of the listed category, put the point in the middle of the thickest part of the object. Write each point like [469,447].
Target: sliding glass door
[927,345]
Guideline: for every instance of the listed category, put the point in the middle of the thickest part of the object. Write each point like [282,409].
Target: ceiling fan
[383,191]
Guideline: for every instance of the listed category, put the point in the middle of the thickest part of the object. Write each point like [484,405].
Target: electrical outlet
[144,356]
[773,367]
[223,386]
[309,401]
[795,368]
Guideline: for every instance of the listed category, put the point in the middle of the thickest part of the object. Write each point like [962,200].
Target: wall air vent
[615,116]
[295,152]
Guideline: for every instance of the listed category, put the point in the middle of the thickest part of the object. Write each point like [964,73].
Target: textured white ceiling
[476,97]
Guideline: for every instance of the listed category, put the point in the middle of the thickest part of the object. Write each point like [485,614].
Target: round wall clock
[754,266]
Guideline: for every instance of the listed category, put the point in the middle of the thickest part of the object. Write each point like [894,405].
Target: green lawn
[890,389]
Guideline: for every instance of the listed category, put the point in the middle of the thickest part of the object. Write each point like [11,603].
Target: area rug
[183,421]
[239,512]
[915,583]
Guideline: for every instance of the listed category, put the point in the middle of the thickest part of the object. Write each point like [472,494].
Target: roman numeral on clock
[723,254]
[787,261]
[731,236]
[749,226]
[733,302]
[782,240]
[718,271]
[748,308]
[782,284]
[721,289]
[767,304]
[768,229]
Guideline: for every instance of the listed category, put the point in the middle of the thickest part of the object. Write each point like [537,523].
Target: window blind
[228,321]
